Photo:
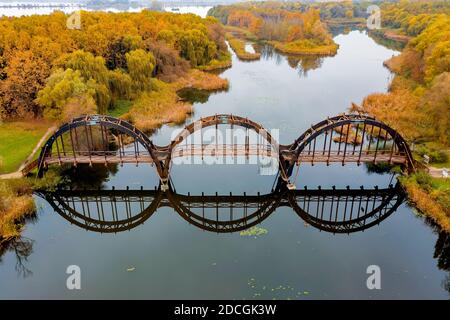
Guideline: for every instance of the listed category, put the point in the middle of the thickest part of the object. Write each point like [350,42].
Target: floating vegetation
[280,292]
[254,232]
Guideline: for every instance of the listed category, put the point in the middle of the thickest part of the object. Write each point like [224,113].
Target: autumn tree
[25,76]
[115,55]
[169,66]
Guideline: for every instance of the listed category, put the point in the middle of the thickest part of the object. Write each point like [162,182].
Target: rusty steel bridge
[346,138]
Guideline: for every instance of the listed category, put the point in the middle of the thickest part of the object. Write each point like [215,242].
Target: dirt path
[18,174]
[435,172]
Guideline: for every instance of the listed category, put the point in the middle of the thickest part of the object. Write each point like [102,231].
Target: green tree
[120,85]
[140,66]
[89,66]
[196,47]
[61,87]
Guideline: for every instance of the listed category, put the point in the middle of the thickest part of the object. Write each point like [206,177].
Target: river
[167,258]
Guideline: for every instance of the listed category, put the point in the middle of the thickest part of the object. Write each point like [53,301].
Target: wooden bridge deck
[363,157]
[334,156]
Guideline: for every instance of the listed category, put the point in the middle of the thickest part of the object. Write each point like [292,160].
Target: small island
[290,32]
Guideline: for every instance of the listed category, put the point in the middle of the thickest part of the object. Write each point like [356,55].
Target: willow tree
[90,67]
[62,86]
[196,47]
[140,65]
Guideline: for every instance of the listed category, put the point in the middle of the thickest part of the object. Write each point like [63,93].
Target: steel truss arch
[102,121]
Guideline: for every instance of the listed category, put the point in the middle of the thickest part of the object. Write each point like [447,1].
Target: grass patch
[17,141]
[441,165]
[157,107]
[120,107]
[441,184]
[202,81]
[254,232]
[344,22]
[237,32]
[305,47]
[15,204]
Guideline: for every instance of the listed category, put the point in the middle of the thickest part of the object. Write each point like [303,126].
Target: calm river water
[166,257]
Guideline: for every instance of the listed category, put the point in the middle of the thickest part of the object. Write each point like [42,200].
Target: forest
[50,71]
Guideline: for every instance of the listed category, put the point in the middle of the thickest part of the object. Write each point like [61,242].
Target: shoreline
[238,47]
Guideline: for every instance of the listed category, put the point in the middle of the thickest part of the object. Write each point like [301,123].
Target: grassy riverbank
[431,196]
[16,201]
[18,140]
[223,61]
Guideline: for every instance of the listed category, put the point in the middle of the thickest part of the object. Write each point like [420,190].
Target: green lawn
[441,165]
[17,141]
[121,107]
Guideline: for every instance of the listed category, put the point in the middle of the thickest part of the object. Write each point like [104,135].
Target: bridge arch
[177,149]
[102,123]
[354,135]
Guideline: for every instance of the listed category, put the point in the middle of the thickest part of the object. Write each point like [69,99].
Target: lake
[168,258]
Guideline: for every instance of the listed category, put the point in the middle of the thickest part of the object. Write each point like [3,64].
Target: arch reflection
[331,210]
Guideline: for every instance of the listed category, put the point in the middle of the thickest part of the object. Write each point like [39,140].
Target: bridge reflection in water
[332,210]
